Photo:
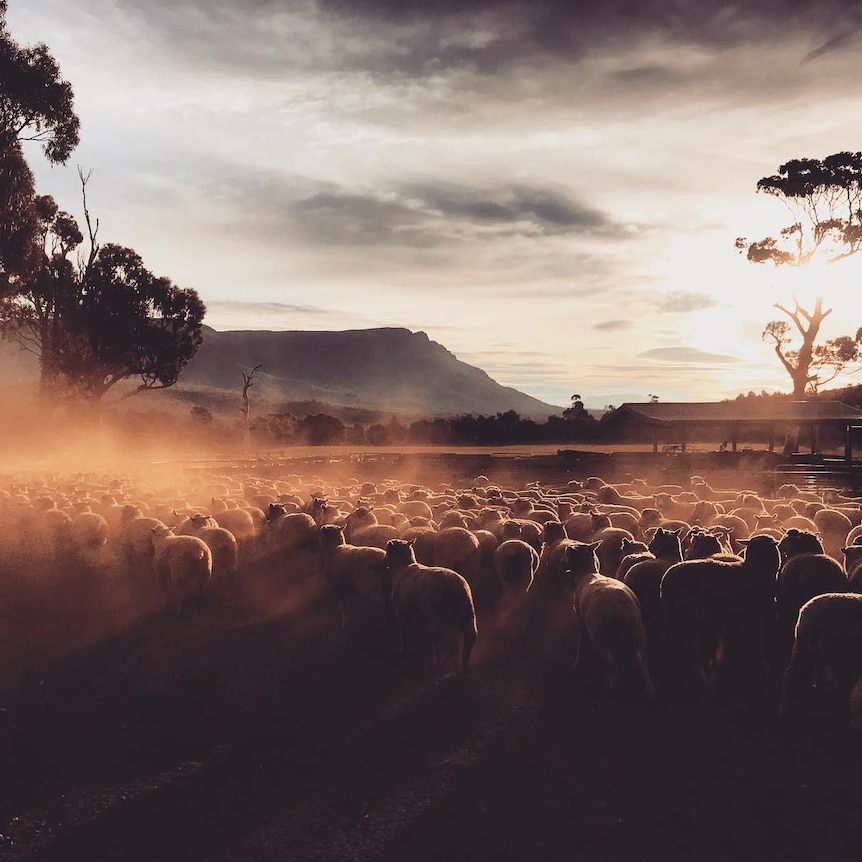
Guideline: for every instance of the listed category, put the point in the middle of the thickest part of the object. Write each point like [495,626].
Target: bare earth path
[277,737]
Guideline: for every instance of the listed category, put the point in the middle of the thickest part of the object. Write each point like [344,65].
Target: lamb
[827,648]
[358,577]
[435,599]
[718,614]
[609,624]
[183,565]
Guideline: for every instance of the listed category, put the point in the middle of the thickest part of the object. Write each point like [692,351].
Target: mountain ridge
[390,369]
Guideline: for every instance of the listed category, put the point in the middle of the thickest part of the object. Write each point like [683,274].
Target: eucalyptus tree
[824,200]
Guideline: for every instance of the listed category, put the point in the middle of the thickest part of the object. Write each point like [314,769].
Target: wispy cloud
[682,301]
[686,354]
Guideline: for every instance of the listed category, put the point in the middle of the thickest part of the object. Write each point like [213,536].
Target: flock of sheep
[662,590]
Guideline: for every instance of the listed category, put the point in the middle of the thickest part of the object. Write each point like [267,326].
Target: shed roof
[741,411]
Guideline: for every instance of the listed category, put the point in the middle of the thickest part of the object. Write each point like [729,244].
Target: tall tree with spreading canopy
[95,320]
[824,198]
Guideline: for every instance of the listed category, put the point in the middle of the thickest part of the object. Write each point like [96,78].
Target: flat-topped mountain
[391,370]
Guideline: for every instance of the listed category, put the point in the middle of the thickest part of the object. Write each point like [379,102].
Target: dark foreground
[268,734]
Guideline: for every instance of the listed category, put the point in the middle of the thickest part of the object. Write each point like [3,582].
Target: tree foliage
[96,320]
[19,224]
[35,103]
[824,198]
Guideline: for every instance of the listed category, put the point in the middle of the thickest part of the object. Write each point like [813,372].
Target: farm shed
[677,423]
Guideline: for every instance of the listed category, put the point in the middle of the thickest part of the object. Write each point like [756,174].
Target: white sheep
[183,565]
[358,577]
[458,549]
[434,599]
[609,623]
[515,564]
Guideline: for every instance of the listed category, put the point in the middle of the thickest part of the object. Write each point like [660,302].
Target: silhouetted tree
[35,103]
[97,321]
[825,201]
[19,222]
[247,383]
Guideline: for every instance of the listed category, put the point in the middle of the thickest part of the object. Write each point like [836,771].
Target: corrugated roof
[742,411]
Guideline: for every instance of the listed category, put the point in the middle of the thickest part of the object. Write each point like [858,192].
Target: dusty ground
[261,732]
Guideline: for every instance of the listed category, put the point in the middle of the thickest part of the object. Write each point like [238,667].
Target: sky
[551,190]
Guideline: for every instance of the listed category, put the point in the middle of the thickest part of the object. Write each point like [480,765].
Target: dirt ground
[262,731]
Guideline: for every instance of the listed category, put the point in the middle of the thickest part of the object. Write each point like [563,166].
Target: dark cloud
[613,325]
[686,354]
[550,211]
[681,301]
[416,216]
[485,37]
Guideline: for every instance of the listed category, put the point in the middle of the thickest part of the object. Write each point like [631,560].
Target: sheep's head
[665,543]
[798,542]
[399,554]
[581,559]
[331,536]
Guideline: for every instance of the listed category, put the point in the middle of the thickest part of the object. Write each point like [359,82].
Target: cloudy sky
[550,189]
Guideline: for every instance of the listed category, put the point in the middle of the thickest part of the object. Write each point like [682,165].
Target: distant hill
[390,370]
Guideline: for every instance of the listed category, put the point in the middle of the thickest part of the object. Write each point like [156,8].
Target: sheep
[827,649]
[633,552]
[797,541]
[515,564]
[88,531]
[435,599]
[853,567]
[183,565]
[242,524]
[644,580]
[358,577]
[457,548]
[287,533]
[718,614]
[610,549]
[802,577]
[833,527]
[609,623]
[361,527]
[550,576]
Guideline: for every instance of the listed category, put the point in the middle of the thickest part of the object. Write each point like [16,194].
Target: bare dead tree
[247,378]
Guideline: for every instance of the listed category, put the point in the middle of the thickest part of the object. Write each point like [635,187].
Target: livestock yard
[268,710]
